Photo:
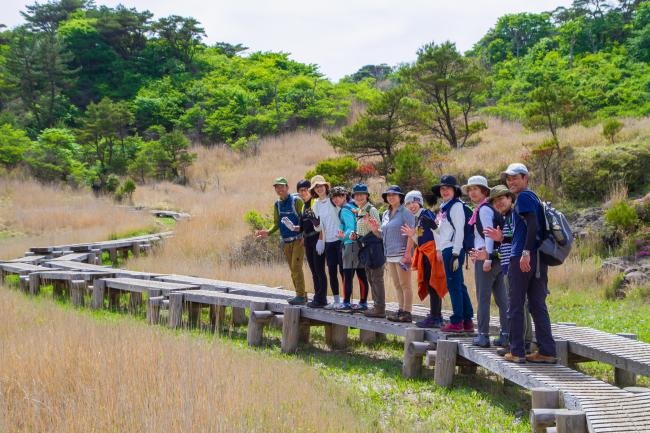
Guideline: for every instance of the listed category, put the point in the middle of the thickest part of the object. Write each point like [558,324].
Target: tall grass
[62,371]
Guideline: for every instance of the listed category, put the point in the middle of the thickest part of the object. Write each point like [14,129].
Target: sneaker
[468,325]
[502,351]
[375,312]
[501,340]
[481,340]
[538,358]
[405,317]
[314,304]
[344,306]
[456,328]
[516,359]
[393,316]
[298,300]
[429,322]
[361,306]
[332,306]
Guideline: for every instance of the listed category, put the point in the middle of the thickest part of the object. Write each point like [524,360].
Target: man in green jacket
[286,218]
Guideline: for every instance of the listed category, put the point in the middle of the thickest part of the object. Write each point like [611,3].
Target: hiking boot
[528,347]
[405,317]
[314,304]
[468,325]
[516,359]
[344,307]
[481,340]
[298,300]
[361,306]
[456,328]
[393,316]
[429,322]
[375,312]
[538,358]
[501,340]
[502,351]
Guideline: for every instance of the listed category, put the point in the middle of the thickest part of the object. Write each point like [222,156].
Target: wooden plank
[145,286]
[22,268]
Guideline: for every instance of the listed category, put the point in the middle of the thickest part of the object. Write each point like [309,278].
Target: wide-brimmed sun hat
[393,189]
[317,181]
[479,181]
[446,180]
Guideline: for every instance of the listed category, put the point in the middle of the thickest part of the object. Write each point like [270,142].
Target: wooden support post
[112,254]
[99,288]
[135,302]
[623,378]
[57,289]
[255,330]
[570,421]
[544,403]
[290,329]
[446,352]
[305,331]
[24,283]
[217,317]
[135,249]
[412,362]
[562,349]
[336,336]
[91,258]
[3,275]
[77,290]
[153,309]
[194,314]
[34,284]
[113,298]
[175,310]
[239,316]
[367,337]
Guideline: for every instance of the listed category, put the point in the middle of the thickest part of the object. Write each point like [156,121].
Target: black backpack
[468,239]
[497,220]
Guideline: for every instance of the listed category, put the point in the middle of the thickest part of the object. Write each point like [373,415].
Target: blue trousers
[460,302]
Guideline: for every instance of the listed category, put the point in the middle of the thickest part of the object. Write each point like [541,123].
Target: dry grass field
[62,371]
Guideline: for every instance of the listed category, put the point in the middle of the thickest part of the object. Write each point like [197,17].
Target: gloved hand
[320,247]
[454,263]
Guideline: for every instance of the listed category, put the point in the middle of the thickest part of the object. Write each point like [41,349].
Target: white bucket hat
[476,181]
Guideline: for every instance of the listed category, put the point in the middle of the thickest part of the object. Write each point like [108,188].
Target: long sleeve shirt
[448,236]
[348,224]
[329,218]
[480,240]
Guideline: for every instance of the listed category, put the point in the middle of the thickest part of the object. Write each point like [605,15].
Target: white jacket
[329,218]
[444,235]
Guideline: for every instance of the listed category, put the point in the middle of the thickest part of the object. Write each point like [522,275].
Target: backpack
[497,220]
[557,240]
[468,239]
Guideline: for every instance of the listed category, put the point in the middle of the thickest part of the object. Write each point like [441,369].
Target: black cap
[304,183]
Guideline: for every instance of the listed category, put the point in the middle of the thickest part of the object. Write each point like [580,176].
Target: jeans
[522,285]
[334,261]
[460,302]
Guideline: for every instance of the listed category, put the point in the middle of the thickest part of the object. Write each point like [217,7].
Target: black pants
[316,264]
[333,256]
[524,284]
[348,277]
[434,298]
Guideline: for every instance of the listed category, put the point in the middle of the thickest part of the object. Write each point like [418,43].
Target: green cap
[498,191]
[280,181]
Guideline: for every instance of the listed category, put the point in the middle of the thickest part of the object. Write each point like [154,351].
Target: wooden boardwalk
[583,404]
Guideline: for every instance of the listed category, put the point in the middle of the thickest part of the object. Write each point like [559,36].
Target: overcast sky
[339,35]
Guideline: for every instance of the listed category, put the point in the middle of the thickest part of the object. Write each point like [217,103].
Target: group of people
[342,233]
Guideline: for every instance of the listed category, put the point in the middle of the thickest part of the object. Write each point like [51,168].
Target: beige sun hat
[318,180]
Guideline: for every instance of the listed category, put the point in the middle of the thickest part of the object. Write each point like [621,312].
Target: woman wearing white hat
[487,275]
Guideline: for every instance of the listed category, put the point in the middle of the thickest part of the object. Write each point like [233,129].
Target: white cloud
[339,35]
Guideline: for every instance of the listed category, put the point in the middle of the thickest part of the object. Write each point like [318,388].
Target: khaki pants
[402,282]
[294,252]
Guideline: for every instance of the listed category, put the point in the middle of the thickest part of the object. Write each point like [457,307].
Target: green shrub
[622,216]
[410,172]
[112,183]
[337,171]
[588,174]
[611,291]
[257,221]
[610,128]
